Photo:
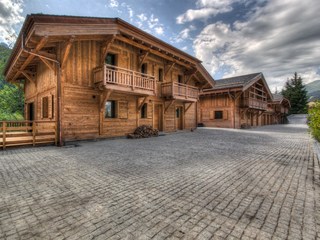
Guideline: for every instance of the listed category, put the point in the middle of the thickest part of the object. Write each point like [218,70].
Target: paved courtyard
[261,183]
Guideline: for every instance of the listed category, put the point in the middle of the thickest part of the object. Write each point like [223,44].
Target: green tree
[11,96]
[295,91]
[314,120]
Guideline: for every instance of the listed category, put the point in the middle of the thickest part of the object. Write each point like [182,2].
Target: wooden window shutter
[45,107]
[50,106]
[225,115]
[211,117]
[123,109]
[149,110]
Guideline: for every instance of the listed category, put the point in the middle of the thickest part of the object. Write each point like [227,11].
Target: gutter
[58,86]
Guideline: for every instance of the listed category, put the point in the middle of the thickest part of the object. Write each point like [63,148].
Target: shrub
[314,120]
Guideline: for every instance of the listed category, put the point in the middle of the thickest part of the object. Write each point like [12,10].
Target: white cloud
[278,39]
[206,9]
[159,30]
[114,4]
[142,17]
[10,17]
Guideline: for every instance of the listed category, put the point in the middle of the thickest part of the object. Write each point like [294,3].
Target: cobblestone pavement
[208,184]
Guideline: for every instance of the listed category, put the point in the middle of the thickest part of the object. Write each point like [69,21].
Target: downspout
[58,86]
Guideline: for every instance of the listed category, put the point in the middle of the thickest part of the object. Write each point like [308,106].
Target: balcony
[179,91]
[124,80]
[255,104]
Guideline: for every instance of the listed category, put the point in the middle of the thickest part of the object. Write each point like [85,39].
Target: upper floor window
[144,68]
[180,79]
[160,74]
[110,59]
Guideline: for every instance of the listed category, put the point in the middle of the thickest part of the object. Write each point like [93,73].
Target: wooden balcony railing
[255,103]
[116,78]
[17,133]
[179,91]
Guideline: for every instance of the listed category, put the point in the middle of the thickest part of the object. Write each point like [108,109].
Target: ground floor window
[110,109]
[218,114]
[144,111]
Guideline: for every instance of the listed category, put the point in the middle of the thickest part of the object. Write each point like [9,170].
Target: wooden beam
[106,47]
[190,76]
[48,64]
[139,106]
[155,52]
[104,98]
[170,103]
[167,69]
[143,57]
[187,108]
[66,50]
[30,76]
[40,45]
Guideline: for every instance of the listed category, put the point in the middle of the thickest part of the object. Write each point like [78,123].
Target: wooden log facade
[102,77]
[241,102]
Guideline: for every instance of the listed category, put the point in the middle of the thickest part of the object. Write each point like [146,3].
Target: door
[179,118]
[30,111]
[158,123]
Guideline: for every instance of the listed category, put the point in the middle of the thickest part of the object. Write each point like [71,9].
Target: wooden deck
[18,133]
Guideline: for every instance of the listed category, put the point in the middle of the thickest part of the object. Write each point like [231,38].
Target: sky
[230,37]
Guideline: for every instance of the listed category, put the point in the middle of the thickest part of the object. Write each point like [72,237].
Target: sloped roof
[238,81]
[279,99]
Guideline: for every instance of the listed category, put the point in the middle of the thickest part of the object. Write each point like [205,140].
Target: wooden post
[33,133]
[4,135]
[55,134]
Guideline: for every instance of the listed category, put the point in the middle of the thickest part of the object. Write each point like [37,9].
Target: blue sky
[231,37]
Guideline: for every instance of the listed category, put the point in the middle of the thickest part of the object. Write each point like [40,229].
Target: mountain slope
[313,89]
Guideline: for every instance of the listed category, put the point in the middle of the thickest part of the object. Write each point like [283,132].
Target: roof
[280,99]
[77,26]
[238,81]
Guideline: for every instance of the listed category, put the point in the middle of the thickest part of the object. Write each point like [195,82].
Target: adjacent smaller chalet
[277,111]
[235,102]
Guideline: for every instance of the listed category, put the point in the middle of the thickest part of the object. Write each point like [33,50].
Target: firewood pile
[144,131]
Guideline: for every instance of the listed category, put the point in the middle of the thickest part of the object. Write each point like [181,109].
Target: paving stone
[261,183]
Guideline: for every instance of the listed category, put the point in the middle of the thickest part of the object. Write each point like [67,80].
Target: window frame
[113,111]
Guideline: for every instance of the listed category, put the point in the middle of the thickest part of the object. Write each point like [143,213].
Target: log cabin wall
[217,111]
[83,116]
[41,94]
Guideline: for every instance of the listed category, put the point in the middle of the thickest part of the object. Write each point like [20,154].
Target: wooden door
[158,123]
[179,118]
[31,111]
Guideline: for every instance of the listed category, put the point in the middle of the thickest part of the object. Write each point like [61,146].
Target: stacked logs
[144,131]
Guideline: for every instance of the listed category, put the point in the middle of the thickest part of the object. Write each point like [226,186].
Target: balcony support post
[169,105]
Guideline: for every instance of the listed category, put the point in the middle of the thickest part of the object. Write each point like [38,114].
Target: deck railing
[110,74]
[179,91]
[16,133]
[255,103]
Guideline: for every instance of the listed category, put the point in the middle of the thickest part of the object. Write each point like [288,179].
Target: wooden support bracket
[170,103]
[106,47]
[48,64]
[30,76]
[139,106]
[66,50]
[187,108]
[168,67]
[142,57]
[104,98]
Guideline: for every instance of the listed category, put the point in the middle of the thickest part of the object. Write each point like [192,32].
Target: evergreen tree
[295,91]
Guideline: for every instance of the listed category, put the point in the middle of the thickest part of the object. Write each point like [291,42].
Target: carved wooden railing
[179,91]
[112,76]
[16,133]
[255,103]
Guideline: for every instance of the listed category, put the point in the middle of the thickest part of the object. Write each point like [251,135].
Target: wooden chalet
[101,77]
[235,102]
[278,109]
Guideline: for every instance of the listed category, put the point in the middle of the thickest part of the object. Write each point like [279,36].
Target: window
[160,74]
[45,107]
[218,115]
[110,59]
[144,111]
[178,112]
[110,111]
[179,78]
[144,68]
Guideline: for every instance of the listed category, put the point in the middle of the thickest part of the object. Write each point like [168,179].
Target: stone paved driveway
[208,184]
